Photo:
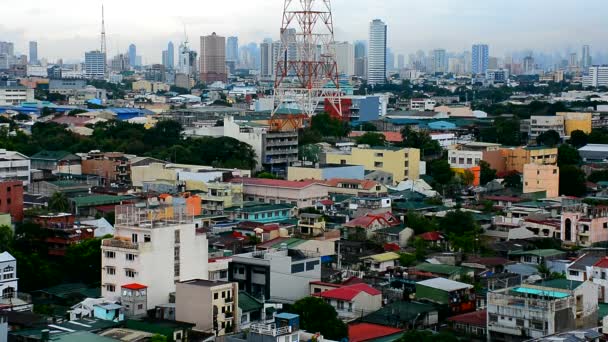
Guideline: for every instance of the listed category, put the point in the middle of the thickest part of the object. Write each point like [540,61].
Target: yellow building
[541,178]
[516,158]
[576,122]
[149,87]
[402,163]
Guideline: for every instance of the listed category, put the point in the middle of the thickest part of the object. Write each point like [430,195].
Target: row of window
[111,270]
[112,255]
[308,266]
[224,294]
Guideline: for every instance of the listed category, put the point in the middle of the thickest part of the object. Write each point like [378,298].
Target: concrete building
[9,280]
[275,191]
[459,297]
[53,162]
[13,94]
[111,168]
[11,199]
[345,58]
[190,175]
[599,275]
[353,301]
[422,105]
[539,178]
[541,124]
[267,60]
[300,171]
[480,56]
[14,166]
[402,163]
[33,52]
[95,65]
[535,310]
[576,121]
[466,156]
[213,59]
[597,76]
[516,158]
[281,276]
[439,61]
[152,87]
[153,247]
[583,224]
[220,196]
[211,305]
[376,57]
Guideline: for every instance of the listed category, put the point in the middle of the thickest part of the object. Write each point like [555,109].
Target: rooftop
[360,332]
[383,257]
[275,183]
[539,252]
[347,293]
[255,207]
[205,283]
[476,318]
[248,303]
[445,284]
[439,268]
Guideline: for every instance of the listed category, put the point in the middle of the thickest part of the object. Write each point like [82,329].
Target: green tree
[487,173]
[420,140]
[572,181]
[508,131]
[578,139]
[6,238]
[310,153]
[318,316]
[598,176]
[549,138]
[513,180]
[458,222]
[467,177]
[407,259]
[158,338]
[421,247]
[329,127]
[58,202]
[420,223]
[266,175]
[372,139]
[568,155]
[441,171]
[83,261]
[367,127]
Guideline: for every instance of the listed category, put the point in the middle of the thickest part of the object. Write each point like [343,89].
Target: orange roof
[365,184]
[359,332]
[389,136]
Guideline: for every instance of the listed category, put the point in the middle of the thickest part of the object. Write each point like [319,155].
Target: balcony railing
[119,244]
[269,329]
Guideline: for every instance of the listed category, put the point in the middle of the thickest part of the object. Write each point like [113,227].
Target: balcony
[505,329]
[269,330]
[271,143]
[115,243]
[281,152]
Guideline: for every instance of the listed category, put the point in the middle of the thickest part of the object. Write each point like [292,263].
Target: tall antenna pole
[103,31]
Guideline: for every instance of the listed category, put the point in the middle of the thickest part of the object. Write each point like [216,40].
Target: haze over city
[67,28]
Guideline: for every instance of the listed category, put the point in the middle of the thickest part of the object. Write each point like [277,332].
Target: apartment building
[529,311]
[300,171]
[540,124]
[14,166]
[11,199]
[353,301]
[422,105]
[599,274]
[187,174]
[219,196]
[401,163]
[111,168]
[363,188]
[275,191]
[469,155]
[210,304]
[538,178]
[9,280]
[53,162]
[516,158]
[155,247]
[12,94]
[277,275]
[576,121]
[583,224]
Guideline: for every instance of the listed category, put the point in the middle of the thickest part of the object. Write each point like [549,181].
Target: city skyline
[493,22]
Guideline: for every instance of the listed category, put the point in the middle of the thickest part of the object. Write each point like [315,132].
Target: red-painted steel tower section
[306,69]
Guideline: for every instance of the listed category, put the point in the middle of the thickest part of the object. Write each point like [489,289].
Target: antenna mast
[103,31]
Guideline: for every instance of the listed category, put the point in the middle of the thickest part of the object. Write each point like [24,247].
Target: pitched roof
[431,236]
[6,256]
[539,252]
[386,218]
[248,303]
[488,261]
[602,263]
[584,261]
[275,183]
[347,293]
[476,318]
[439,268]
[389,136]
[444,284]
[365,183]
[51,155]
[388,256]
[359,332]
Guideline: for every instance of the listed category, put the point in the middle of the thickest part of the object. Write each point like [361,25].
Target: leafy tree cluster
[372,139]
[322,127]
[549,138]
[505,131]
[524,111]
[164,141]
[420,140]
[572,180]
[318,316]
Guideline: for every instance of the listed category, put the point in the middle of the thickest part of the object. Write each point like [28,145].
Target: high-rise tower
[376,56]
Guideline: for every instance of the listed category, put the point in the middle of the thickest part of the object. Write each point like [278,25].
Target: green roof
[256,207]
[248,303]
[66,290]
[561,284]
[398,312]
[539,252]
[603,310]
[69,184]
[440,268]
[51,155]
[94,200]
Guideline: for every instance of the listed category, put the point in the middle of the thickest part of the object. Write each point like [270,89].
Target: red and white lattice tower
[306,73]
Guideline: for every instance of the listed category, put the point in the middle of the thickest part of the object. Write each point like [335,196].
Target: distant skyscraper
[529,67]
[390,60]
[132,55]
[7,48]
[480,55]
[586,57]
[439,61]
[33,52]
[232,49]
[573,61]
[170,56]
[400,61]
[376,60]
[95,64]
[213,58]
[345,58]
[598,77]
[360,59]
[183,64]
[165,59]
[266,60]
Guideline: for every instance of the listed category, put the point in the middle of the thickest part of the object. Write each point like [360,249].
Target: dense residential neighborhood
[299,191]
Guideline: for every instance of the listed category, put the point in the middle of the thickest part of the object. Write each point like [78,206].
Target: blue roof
[286,315]
[537,292]
[442,125]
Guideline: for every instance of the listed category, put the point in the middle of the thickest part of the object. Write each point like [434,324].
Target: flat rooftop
[205,283]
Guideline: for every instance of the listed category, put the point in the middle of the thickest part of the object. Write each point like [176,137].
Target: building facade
[11,199]
[480,56]
[541,178]
[376,59]
[213,59]
[95,64]
[275,191]
[14,166]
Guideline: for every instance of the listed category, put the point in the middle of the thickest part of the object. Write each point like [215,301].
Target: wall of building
[325,173]
[11,199]
[288,287]
[576,121]
[303,197]
[196,304]
[541,178]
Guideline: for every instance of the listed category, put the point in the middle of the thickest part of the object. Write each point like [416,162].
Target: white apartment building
[14,165]
[597,77]
[422,105]
[9,280]
[153,247]
[345,58]
[376,58]
[469,155]
[541,124]
[13,95]
[445,140]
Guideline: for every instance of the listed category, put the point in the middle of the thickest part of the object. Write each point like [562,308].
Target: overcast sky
[66,28]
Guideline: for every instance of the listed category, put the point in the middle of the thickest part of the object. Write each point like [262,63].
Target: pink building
[302,194]
[582,224]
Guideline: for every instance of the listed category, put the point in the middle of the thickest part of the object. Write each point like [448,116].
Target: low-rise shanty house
[581,269]
[264,232]
[55,162]
[600,277]
[537,256]
[370,223]
[458,297]
[353,301]
[392,235]
[356,187]
[88,205]
[503,201]
[381,262]
[428,270]
[472,324]
[405,315]
[62,231]
[487,265]
[311,224]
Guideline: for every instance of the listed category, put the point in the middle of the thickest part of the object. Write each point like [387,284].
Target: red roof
[352,281]
[327,202]
[275,183]
[347,293]
[359,332]
[603,263]
[134,286]
[431,236]
[391,247]
[387,219]
[476,318]
[389,136]
[365,184]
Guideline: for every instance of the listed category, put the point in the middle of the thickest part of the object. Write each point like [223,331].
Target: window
[177,236]
[215,295]
[130,273]
[110,270]
[241,270]
[453,160]
[311,265]
[147,238]
[140,306]
[130,257]
[8,201]
[378,164]
[461,160]
[573,273]
[110,288]
[605,225]
[554,171]
[134,238]
[297,268]
[469,161]
[343,161]
[223,294]
[110,254]
[379,155]
[340,305]
[350,307]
